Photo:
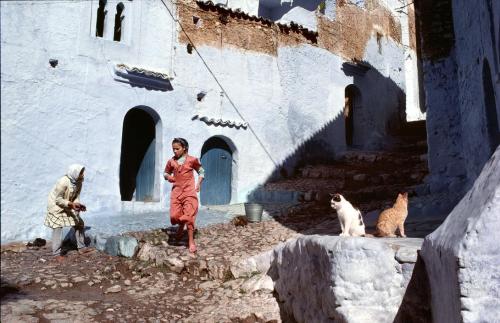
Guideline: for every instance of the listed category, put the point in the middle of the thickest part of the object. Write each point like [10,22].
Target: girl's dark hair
[181,141]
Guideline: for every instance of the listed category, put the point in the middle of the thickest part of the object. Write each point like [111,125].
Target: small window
[101,15]
[379,42]
[118,22]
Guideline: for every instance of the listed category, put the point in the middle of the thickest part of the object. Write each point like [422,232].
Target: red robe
[184,198]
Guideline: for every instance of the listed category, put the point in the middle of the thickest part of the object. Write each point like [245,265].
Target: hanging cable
[220,85]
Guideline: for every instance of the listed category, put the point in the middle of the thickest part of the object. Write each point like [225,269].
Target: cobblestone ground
[98,287]
[163,282]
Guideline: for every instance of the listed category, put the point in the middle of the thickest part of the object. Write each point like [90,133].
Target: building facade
[460,52]
[256,91]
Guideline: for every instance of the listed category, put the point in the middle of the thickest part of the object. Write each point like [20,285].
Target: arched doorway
[217,160]
[138,155]
[352,99]
[491,109]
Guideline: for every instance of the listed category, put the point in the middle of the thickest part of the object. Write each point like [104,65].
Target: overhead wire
[220,84]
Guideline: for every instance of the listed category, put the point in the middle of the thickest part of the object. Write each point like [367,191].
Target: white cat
[350,218]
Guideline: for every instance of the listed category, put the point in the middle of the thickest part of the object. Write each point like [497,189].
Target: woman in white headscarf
[64,206]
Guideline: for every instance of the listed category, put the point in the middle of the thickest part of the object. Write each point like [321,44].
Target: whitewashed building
[460,51]
[110,83]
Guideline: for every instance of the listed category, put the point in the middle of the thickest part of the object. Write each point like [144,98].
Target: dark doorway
[101,15]
[118,22]
[351,99]
[217,160]
[491,109]
[137,161]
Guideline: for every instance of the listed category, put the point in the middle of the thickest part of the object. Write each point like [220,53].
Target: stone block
[161,257]
[112,245]
[462,256]
[347,280]
[406,255]
[325,278]
[121,246]
[174,264]
[127,246]
[14,247]
[258,282]
[258,263]
[147,252]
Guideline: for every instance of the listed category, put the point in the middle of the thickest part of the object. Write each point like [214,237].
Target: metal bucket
[253,212]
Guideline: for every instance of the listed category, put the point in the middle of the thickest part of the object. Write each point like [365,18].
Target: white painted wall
[52,117]
[456,119]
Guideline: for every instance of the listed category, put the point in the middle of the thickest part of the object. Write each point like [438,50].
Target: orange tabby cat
[394,218]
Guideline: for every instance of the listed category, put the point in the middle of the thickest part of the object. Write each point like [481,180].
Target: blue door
[145,179]
[217,160]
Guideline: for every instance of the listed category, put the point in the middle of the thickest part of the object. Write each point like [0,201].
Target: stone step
[219,246]
[417,146]
[415,130]
[274,196]
[370,168]
[368,158]
[356,174]
[294,190]
[377,193]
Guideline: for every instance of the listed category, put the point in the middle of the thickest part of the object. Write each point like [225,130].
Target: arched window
[101,15]
[118,22]
[352,100]
[491,109]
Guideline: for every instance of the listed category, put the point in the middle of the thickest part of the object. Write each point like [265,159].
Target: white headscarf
[74,172]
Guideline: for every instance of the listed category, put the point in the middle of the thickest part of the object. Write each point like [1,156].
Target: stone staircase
[369,179]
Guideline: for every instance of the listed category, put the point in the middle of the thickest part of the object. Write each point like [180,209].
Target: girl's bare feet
[192,245]
[59,258]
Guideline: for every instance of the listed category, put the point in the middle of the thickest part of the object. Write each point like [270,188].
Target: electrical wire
[220,85]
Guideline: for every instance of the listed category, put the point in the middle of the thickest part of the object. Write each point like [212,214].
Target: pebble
[78,279]
[201,292]
[113,289]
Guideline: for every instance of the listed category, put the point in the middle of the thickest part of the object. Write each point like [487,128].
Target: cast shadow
[380,125]
[416,306]
[7,288]
[69,240]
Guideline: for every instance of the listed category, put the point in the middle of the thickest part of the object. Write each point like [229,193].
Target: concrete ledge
[331,278]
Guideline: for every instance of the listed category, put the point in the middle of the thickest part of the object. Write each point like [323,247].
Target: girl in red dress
[184,198]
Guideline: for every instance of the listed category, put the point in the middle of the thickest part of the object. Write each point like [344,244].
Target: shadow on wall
[377,122]
[416,304]
[382,108]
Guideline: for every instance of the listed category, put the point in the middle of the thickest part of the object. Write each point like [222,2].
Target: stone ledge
[320,278]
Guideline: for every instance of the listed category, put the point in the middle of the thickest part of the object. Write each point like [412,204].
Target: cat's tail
[375,234]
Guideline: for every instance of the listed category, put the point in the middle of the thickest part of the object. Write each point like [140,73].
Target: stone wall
[335,279]
[458,39]
[462,256]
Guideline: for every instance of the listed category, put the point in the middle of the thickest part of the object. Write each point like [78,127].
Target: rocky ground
[181,287]
[162,283]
